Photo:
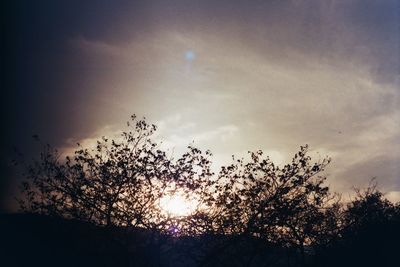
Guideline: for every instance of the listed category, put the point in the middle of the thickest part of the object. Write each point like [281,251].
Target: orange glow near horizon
[178,205]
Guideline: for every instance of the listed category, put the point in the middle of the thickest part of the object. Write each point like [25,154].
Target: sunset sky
[232,76]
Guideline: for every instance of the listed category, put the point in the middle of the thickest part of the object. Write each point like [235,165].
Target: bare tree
[286,206]
[250,212]
[118,183]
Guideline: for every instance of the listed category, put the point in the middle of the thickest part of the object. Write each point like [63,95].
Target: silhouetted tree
[369,207]
[119,183]
[251,213]
[369,234]
[371,230]
[286,206]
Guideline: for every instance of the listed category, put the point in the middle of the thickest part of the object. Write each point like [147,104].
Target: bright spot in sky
[189,55]
[178,205]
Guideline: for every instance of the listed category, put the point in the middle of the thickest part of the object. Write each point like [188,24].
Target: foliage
[119,183]
[285,206]
[369,234]
[251,211]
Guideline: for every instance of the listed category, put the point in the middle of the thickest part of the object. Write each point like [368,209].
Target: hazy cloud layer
[269,75]
[261,102]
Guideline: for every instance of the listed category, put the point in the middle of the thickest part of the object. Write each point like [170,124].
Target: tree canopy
[120,183]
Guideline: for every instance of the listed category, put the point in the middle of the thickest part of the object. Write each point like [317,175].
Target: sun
[178,205]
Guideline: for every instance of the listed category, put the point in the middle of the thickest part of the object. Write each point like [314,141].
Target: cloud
[270,75]
[393,196]
[220,134]
[336,106]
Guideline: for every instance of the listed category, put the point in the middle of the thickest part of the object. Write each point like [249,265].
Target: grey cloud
[283,73]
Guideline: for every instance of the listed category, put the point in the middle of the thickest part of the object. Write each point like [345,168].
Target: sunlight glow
[178,205]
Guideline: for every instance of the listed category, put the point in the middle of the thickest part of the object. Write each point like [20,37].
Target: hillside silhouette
[39,240]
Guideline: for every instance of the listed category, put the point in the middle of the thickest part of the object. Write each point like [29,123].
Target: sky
[230,76]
